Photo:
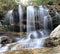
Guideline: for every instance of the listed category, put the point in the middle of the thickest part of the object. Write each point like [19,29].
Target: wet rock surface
[54,11]
[54,38]
[6,40]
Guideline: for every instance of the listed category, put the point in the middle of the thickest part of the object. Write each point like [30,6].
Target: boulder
[51,42]
[6,40]
[35,34]
[55,32]
[54,39]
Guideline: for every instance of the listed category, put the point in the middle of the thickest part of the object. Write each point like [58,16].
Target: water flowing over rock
[6,40]
[37,20]
[21,17]
[39,24]
[41,14]
[30,19]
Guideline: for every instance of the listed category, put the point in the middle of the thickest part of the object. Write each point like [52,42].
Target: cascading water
[30,19]
[35,37]
[9,17]
[20,17]
[46,18]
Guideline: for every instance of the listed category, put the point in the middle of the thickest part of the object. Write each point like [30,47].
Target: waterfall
[39,25]
[9,17]
[9,20]
[20,17]
[44,15]
[30,19]
[36,37]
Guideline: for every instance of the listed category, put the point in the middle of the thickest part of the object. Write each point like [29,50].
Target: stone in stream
[6,40]
[38,35]
[54,39]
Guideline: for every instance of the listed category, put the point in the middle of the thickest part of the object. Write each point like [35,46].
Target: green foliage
[39,2]
[36,2]
[7,3]
[50,0]
[4,27]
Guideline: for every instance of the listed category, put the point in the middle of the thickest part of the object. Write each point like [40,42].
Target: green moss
[4,27]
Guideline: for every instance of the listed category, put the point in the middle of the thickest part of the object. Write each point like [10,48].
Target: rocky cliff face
[54,11]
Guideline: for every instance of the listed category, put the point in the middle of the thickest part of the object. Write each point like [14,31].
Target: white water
[44,15]
[20,18]
[30,19]
[35,38]
[9,17]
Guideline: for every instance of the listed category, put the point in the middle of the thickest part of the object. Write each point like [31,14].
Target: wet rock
[54,39]
[32,36]
[55,32]
[59,4]
[0,24]
[15,15]
[50,3]
[6,40]
[55,35]
[35,35]
[54,13]
[48,43]
[51,12]
[51,42]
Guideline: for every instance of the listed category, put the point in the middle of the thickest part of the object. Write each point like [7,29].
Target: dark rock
[16,14]
[38,35]
[52,42]
[54,39]
[50,3]
[1,15]
[59,4]
[14,28]
[48,43]
[32,36]
[6,40]
[51,12]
